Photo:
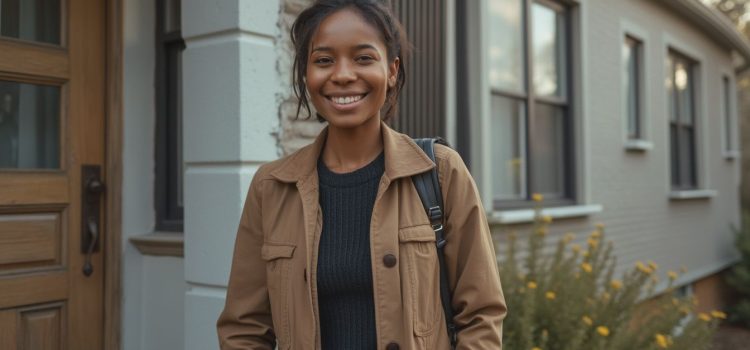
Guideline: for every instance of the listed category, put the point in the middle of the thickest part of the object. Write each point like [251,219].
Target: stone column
[230,121]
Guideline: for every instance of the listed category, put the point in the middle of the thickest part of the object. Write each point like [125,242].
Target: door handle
[93,231]
[92,189]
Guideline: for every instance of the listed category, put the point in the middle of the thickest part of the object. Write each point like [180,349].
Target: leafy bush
[739,276]
[570,299]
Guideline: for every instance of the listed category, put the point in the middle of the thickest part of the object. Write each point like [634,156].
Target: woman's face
[348,73]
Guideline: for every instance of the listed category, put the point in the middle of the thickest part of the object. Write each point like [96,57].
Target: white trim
[701,107]
[692,194]
[450,72]
[527,215]
[628,28]
[638,145]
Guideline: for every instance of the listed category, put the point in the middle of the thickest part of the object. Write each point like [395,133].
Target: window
[730,142]
[682,122]
[169,169]
[632,58]
[530,109]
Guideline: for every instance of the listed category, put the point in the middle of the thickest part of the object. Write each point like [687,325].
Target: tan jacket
[272,294]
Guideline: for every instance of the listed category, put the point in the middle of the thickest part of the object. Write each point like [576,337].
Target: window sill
[692,194]
[731,155]
[638,145]
[160,244]
[527,215]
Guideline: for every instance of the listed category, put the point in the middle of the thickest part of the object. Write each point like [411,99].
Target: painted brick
[216,196]
[202,17]
[230,101]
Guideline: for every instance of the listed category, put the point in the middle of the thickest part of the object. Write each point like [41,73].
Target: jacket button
[389,260]
[392,346]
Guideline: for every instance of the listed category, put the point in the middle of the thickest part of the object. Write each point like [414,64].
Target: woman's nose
[343,73]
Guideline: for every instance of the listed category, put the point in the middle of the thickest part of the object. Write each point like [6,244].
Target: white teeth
[346,100]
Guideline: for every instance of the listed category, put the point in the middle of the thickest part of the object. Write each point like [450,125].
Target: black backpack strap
[428,187]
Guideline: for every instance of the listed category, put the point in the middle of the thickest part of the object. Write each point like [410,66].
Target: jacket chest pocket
[278,258]
[422,282]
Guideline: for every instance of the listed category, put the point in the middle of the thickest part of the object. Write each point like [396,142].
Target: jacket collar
[403,157]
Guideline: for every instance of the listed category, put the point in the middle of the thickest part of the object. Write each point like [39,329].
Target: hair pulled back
[375,12]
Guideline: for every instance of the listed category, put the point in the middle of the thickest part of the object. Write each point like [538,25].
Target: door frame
[113,168]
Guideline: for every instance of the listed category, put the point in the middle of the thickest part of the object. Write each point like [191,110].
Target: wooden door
[52,110]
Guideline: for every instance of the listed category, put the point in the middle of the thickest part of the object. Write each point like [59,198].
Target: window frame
[694,68]
[566,101]
[729,116]
[169,213]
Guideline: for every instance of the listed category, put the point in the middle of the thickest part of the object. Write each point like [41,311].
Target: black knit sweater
[345,295]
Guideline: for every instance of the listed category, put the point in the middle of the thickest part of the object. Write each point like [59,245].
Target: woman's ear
[393,72]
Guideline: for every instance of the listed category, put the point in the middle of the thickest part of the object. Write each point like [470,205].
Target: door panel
[52,91]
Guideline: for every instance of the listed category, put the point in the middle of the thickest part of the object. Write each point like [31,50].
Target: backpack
[427,185]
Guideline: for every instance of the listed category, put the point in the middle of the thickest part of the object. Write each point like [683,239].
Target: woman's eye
[323,60]
[365,59]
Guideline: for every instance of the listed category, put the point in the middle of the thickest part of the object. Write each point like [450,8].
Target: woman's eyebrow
[358,47]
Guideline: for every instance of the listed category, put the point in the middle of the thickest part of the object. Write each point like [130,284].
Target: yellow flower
[531,285]
[675,302]
[546,219]
[600,227]
[662,340]
[585,254]
[586,267]
[596,235]
[568,238]
[592,242]
[576,248]
[550,295]
[685,310]
[616,284]
[643,268]
[536,348]
[718,314]
[704,316]
[587,320]
[605,296]
[537,197]
[653,265]
[541,231]
[603,331]
[672,275]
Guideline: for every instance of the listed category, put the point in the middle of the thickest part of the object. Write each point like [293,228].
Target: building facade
[622,113]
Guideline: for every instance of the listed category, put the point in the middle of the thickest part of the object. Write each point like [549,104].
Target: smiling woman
[334,249]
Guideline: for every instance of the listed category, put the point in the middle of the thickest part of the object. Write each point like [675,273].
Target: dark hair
[378,14]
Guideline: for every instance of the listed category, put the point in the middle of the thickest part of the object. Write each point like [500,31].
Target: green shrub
[570,300]
[739,276]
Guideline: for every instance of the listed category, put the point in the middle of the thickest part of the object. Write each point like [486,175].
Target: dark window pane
[31,20]
[684,84]
[547,148]
[729,137]
[674,155]
[631,53]
[508,145]
[671,91]
[687,158]
[548,50]
[506,51]
[29,126]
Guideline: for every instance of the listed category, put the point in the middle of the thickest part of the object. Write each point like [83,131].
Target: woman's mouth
[346,100]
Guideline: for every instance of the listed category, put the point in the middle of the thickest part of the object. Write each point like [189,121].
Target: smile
[346,100]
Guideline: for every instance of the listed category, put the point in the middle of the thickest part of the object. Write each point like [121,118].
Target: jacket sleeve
[478,302]
[245,323]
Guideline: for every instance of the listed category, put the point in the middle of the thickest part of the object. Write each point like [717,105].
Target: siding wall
[633,187]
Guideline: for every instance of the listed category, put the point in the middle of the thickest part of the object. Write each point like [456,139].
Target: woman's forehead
[346,28]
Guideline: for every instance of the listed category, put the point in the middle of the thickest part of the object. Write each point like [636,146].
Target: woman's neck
[348,149]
